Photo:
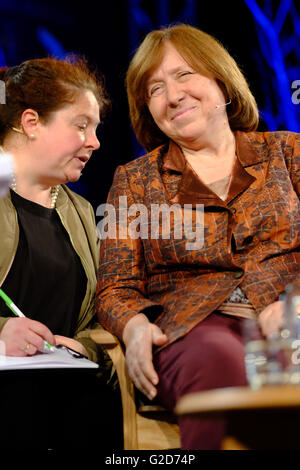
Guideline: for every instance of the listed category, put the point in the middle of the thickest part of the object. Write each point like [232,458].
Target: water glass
[255,354]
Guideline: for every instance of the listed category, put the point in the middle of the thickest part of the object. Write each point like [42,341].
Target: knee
[217,361]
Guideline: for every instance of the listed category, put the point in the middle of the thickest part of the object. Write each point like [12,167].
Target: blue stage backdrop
[262,35]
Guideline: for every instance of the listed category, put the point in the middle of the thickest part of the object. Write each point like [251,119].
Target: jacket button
[238,274]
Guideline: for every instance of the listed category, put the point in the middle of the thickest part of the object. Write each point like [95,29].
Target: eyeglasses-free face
[182,102]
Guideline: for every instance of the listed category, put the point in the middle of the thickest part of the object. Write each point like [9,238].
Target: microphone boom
[220,105]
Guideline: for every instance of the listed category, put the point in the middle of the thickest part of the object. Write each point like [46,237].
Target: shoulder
[274,137]
[77,200]
[141,170]
[133,177]
[81,205]
[148,160]
[84,209]
[277,144]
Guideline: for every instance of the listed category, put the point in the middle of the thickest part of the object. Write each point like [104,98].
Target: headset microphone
[220,105]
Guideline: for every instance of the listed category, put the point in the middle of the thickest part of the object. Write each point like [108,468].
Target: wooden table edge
[239,398]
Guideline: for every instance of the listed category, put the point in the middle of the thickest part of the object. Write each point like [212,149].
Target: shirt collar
[245,150]
[192,189]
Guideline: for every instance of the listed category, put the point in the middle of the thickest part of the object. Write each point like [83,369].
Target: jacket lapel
[192,190]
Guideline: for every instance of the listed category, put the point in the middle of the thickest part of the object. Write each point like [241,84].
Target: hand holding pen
[23,336]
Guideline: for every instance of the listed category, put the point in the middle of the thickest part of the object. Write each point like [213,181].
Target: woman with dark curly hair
[49,255]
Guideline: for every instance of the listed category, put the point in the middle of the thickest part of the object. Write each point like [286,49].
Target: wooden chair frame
[145,428]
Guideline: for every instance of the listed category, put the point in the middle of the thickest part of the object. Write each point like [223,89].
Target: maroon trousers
[210,356]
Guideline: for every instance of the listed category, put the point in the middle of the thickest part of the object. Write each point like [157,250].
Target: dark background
[108,31]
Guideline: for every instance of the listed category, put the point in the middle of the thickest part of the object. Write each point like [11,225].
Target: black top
[46,280]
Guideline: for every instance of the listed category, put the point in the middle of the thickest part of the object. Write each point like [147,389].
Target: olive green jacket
[77,216]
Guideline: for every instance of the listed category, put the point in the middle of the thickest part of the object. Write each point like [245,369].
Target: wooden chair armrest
[107,340]
[131,416]
[116,353]
[103,337]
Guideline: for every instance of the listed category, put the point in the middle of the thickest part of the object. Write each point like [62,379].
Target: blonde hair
[206,56]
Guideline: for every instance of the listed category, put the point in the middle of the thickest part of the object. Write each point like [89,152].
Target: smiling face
[65,143]
[183,102]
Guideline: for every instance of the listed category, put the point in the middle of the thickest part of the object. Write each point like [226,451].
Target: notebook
[62,357]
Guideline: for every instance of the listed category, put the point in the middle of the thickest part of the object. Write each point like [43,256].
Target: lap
[210,356]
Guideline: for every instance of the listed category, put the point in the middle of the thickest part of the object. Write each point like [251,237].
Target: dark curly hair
[47,85]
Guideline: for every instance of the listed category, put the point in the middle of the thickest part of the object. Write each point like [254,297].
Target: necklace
[54,192]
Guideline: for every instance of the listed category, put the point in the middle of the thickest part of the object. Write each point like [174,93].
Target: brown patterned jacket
[251,240]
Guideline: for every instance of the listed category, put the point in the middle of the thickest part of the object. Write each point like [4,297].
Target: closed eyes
[156,90]
[184,74]
[159,88]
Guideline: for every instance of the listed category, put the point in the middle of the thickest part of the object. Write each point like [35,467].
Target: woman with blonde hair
[178,306]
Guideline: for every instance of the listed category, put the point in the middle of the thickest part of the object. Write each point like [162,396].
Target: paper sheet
[58,359]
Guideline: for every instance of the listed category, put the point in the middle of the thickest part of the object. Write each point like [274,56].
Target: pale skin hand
[18,332]
[139,337]
[270,319]
[71,343]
